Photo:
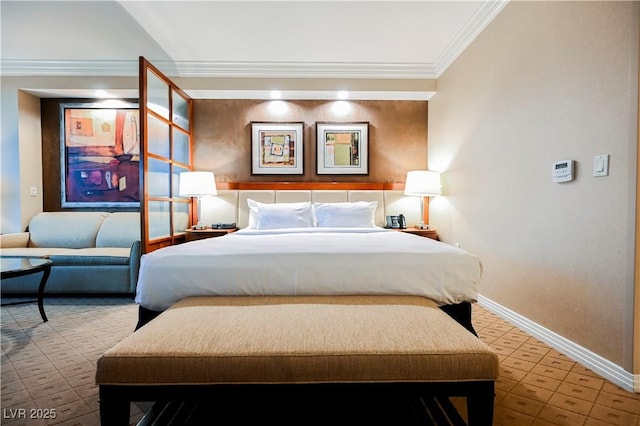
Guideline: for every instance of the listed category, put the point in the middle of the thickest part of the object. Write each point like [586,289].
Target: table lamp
[196,185]
[422,183]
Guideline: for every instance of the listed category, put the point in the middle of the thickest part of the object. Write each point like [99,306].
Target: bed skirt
[461,312]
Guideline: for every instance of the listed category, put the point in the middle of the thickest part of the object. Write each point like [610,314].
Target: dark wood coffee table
[18,266]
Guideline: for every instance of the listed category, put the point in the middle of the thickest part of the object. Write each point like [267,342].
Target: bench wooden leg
[480,404]
[114,408]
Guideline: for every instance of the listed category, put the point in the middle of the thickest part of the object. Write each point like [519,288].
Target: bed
[306,249]
[300,259]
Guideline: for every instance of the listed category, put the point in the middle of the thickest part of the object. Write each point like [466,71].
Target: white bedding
[309,261]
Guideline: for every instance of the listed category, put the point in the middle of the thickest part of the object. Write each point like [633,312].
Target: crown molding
[73,68]
[476,24]
[129,68]
[305,70]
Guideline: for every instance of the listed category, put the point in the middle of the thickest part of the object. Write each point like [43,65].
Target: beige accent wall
[636,321]
[222,132]
[30,157]
[546,81]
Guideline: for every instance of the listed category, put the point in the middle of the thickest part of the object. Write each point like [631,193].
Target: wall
[636,298]
[397,136]
[14,176]
[222,135]
[30,156]
[546,81]
[20,160]
[51,153]
[19,149]
[10,162]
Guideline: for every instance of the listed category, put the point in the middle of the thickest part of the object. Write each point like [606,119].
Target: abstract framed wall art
[342,148]
[99,155]
[277,148]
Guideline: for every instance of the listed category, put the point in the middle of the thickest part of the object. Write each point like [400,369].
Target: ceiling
[259,41]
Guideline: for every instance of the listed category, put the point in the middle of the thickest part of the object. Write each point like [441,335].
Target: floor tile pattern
[540,386]
[48,369]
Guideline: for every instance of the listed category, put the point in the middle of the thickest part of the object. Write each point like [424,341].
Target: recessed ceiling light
[278,107]
[341,108]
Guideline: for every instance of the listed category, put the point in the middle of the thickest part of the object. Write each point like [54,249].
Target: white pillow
[360,214]
[279,215]
[253,213]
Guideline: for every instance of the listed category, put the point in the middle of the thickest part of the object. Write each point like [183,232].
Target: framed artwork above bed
[99,155]
[343,148]
[276,148]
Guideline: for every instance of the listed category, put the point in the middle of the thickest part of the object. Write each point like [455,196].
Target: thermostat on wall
[563,171]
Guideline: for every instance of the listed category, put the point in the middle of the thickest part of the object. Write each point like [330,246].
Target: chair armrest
[16,240]
[134,265]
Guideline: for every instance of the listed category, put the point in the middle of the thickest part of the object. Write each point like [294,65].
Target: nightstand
[201,234]
[429,233]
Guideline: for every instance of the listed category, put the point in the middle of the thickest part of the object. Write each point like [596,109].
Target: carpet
[52,366]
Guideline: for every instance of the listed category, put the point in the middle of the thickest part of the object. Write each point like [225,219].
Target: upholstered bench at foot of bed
[206,345]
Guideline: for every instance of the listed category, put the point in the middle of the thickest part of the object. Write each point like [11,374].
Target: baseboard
[598,364]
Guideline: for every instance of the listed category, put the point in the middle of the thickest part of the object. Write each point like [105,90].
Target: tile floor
[540,386]
[48,369]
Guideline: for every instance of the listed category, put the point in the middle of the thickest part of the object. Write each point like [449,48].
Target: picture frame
[100,155]
[342,148]
[277,148]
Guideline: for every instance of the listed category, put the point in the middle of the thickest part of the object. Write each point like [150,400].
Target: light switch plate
[601,165]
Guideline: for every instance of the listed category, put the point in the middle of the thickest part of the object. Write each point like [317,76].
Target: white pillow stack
[358,214]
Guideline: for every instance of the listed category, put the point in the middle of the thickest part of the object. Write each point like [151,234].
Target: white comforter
[309,261]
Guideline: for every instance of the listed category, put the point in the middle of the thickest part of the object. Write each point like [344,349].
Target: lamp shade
[195,184]
[423,183]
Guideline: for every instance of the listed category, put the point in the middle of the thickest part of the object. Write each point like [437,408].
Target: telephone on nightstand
[396,222]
